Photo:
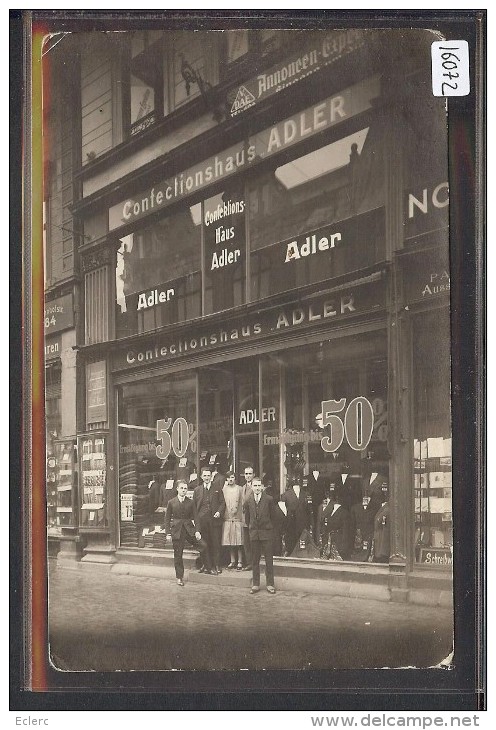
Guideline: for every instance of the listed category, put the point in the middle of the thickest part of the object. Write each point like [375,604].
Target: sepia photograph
[247,340]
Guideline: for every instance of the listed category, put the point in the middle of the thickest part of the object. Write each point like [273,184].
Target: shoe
[247,567]
[219,570]
[254,589]
[211,572]
[202,570]
[240,566]
[271,589]
[231,566]
[179,582]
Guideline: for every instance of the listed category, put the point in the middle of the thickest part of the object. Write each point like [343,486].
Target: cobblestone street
[101,621]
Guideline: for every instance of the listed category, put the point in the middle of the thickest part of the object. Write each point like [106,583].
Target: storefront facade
[266,283]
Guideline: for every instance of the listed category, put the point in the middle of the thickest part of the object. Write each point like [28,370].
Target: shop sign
[127,508]
[247,153]
[59,314]
[427,275]
[224,234]
[360,235]
[436,556]
[250,415]
[53,347]
[153,297]
[96,392]
[324,50]
[303,315]
[426,210]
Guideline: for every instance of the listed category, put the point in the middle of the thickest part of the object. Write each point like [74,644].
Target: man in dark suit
[298,514]
[209,507]
[180,511]
[259,510]
[245,494]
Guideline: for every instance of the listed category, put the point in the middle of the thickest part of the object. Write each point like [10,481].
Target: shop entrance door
[215,405]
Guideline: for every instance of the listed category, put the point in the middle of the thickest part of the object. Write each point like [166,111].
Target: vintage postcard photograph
[247,345]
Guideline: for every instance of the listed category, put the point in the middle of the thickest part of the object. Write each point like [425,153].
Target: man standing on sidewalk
[245,494]
[209,507]
[180,513]
[259,512]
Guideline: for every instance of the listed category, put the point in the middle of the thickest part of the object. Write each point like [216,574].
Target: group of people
[248,521]
[238,517]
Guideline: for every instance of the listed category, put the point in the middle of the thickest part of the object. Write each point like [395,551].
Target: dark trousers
[211,532]
[178,546]
[247,544]
[257,548]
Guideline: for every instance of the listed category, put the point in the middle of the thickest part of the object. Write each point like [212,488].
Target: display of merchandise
[93,460]
[61,482]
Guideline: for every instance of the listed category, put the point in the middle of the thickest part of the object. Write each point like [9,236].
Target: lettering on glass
[356,425]
[177,441]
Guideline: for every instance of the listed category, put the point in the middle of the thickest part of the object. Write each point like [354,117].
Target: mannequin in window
[298,516]
[362,529]
[334,528]
[278,519]
[317,486]
[379,493]
[382,531]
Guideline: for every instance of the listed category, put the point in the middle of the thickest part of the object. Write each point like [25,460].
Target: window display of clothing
[382,532]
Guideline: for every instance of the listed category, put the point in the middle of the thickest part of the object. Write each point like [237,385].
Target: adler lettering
[312,245]
[154,297]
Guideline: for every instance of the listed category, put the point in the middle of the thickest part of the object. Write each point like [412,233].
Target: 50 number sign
[177,440]
[357,423]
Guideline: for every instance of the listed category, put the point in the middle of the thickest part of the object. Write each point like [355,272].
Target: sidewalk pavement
[101,620]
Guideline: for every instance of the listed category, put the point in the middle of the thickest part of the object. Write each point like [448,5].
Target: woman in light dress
[232,532]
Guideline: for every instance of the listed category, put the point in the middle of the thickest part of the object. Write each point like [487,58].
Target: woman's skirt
[232,532]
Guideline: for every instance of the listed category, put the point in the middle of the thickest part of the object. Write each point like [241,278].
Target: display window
[313,416]
[157,442]
[92,452]
[61,487]
[432,441]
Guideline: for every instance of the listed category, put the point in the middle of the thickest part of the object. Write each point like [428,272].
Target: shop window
[158,275]
[318,216]
[344,459]
[246,419]
[224,250]
[53,406]
[432,441]
[215,398]
[158,438]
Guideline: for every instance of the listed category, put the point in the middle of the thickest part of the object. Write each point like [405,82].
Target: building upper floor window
[163,71]
[145,79]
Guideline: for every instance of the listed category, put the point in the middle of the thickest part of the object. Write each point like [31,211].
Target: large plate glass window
[432,440]
[158,273]
[317,216]
[158,437]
